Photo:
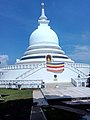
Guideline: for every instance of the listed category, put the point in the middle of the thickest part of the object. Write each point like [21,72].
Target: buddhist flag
[55,67]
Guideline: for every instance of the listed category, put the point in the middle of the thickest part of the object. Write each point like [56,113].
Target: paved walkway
[37,113]
[53,91]
[56,91]
[39,98]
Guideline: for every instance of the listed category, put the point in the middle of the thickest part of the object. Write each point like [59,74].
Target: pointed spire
[43,13]
[43,18]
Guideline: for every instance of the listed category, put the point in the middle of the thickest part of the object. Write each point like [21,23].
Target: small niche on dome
[48,58]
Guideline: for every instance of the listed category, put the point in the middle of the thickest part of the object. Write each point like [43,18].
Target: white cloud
[3,60]
[81,53]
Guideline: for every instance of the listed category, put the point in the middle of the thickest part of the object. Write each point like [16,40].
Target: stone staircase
[31,71]
[75,69]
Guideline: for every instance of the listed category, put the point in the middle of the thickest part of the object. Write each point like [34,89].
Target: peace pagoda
[43,62]
[43,41]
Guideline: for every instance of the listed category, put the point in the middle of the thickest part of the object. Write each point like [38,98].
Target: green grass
[13,94]
[16,105]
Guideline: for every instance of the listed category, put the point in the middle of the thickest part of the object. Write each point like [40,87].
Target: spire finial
[43,13]
[43,18]
[42,5]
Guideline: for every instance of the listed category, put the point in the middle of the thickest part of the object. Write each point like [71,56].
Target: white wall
[48,77]
[43,74]
[12,74]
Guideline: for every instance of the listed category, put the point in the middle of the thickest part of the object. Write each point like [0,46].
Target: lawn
[16,105]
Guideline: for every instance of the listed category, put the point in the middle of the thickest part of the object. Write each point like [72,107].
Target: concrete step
[57,85]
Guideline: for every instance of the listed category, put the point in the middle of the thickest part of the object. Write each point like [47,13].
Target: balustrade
[23,66]
[21,83]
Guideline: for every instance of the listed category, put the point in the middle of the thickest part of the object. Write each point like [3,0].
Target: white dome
[43,41]
[43,35]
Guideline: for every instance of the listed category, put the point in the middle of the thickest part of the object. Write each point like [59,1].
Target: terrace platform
[66,91]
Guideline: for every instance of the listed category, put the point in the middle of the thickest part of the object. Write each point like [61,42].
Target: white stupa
[43,41]
[43,62]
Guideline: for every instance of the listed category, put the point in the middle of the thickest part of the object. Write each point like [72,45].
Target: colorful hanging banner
[55,67]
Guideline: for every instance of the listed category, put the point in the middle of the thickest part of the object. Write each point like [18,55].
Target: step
[57,85]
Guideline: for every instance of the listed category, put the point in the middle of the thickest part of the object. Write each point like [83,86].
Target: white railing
[21,83]
[21,66]
[79,82]
[78,65]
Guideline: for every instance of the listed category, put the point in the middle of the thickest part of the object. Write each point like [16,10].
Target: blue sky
[70,19]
